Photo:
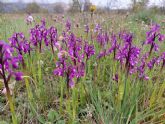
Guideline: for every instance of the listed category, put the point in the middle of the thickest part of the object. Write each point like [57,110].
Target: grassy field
[104,69]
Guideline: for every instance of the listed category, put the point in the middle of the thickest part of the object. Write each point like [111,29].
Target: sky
[121,3]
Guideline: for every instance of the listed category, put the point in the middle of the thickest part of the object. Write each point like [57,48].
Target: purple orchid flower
[68,25]
[21,45]
[128,54]
[8,65]
[37,35]
[151,37]
[89,50]
[71,58]
[52,36]
[86,29]
[97,28]
[114,45]
[19,42]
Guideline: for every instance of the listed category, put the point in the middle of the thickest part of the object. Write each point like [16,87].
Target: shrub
[59,8]
[145,16]
[33,8]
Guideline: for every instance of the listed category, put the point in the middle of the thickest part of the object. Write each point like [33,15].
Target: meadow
[82,69]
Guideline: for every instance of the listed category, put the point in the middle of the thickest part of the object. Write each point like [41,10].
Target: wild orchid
[128,54]
[142,67]
[71,58]
[38,34]
[89,50]
[43,22]
[52,37]
[21,45]
[102,54]
[103,40]
[64,68]
[163,60]
[114,46]
[152,62]
[29,19]
[97,28]
[86,29]
[8,65]
[68,25]
[152,36]
[19,42]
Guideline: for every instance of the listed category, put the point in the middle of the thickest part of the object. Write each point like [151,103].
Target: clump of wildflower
[97,28]
[29,19]
[89,50]
[86,29]
[163,60]
[92,8]
[64,68]
[43,22]
[38,34]
[21,45]
[152,62]
[102,54]
[8,64]
[128,54]
[152,36]
[68,25]
[19,42]
[102,39]
[114,45]
[53,37]
[71,58]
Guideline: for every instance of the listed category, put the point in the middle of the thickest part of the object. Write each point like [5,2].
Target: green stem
[61,96]
[30,96]
[11,105]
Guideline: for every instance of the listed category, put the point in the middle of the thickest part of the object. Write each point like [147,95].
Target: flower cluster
[89,50]
[68,25]
[152,36]
[130,56]
[71,58]
[9,63]
[114,45]
[52,37]
[86,29]
[19,42]
[38,34]
[29,19]
[102,39]
[74,52]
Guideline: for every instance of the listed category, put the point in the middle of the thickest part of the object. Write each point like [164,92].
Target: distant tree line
[1,7]
[35,8]
[79,6]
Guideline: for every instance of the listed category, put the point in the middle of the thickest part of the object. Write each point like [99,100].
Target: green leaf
[153,97]
[3,122]
[121,91]
[52,115]
[41,119]
[48,123]
[1,84]
[61,122]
